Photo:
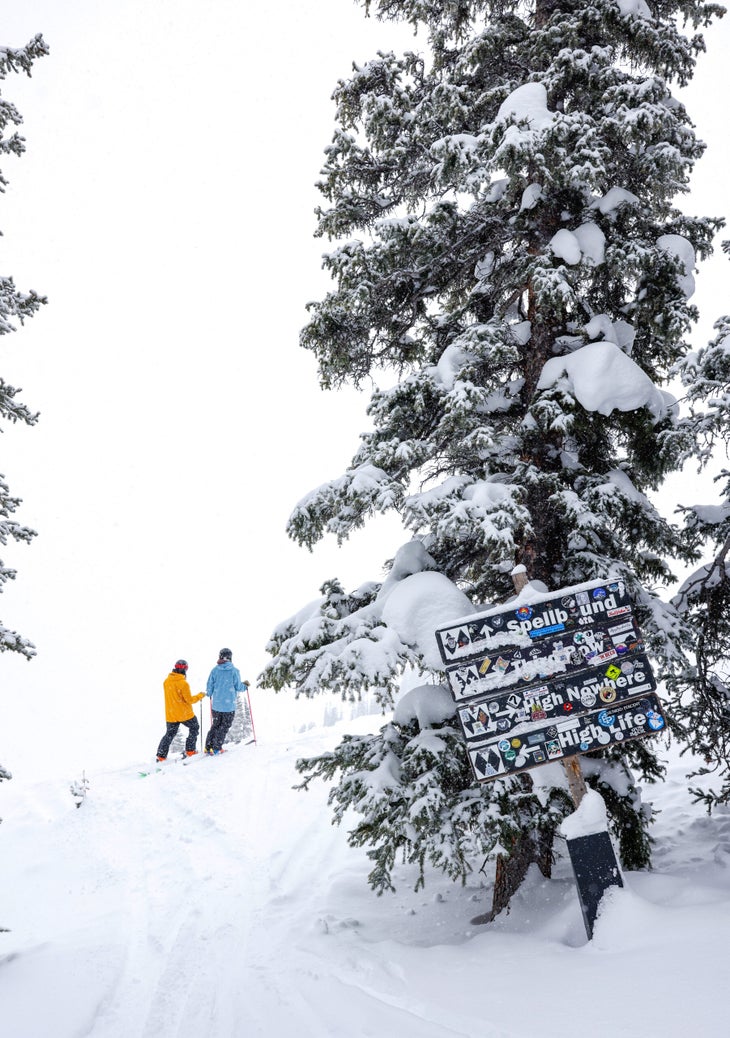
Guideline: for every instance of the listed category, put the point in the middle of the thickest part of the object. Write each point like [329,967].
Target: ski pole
[250,714]
[200,705]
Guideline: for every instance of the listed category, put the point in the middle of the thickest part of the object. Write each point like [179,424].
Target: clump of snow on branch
[367,639]
[449,365]
[528,103]
[587,242]
[603,378]
[426,704]
[681,250]
[615,197]
[416,606]
[711,515]
[635,9]
[619,332]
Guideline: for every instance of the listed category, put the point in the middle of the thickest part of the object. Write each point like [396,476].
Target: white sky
[165,205]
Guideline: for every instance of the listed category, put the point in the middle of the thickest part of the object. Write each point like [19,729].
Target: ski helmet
[225,654]
[181,666]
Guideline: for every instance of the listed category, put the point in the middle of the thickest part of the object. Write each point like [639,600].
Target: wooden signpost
[548,678]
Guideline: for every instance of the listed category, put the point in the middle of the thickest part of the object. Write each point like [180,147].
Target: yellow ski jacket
[178,700]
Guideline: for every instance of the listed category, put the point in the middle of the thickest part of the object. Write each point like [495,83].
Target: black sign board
[596,869]
[597,646]
[532,744]
[569,611]
[600,687]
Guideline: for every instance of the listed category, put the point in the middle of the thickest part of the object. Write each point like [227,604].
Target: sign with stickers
[568,612]
[504,711]
[596,647]
[550,679]
[534,744]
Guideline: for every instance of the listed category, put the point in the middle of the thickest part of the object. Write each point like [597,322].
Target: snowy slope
[215,900]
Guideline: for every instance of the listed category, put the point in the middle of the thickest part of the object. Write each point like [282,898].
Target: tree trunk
[530,846]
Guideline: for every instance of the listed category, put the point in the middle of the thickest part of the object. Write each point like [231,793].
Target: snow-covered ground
[215,900]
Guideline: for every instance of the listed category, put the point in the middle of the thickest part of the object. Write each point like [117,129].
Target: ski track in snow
[215,899]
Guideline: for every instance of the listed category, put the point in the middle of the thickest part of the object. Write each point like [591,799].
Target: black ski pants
[172,726]
[222,721]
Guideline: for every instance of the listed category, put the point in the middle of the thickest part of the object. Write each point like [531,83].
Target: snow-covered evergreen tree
[177,746]
[14,306]
[79,789]
[508,244]
[241,727]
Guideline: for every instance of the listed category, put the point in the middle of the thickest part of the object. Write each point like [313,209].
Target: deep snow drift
[216,900]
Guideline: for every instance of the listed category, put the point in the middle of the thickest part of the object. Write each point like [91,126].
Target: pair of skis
[197,756]
[161,765]
[184,759]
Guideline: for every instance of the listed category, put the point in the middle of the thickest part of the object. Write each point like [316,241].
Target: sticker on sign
[566,737]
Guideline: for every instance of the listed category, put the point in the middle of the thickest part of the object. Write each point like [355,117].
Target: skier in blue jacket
[224,683]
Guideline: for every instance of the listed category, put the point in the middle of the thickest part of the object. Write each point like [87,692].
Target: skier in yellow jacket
[179,710]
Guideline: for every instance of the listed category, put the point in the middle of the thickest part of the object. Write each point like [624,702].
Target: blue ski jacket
[223,684]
